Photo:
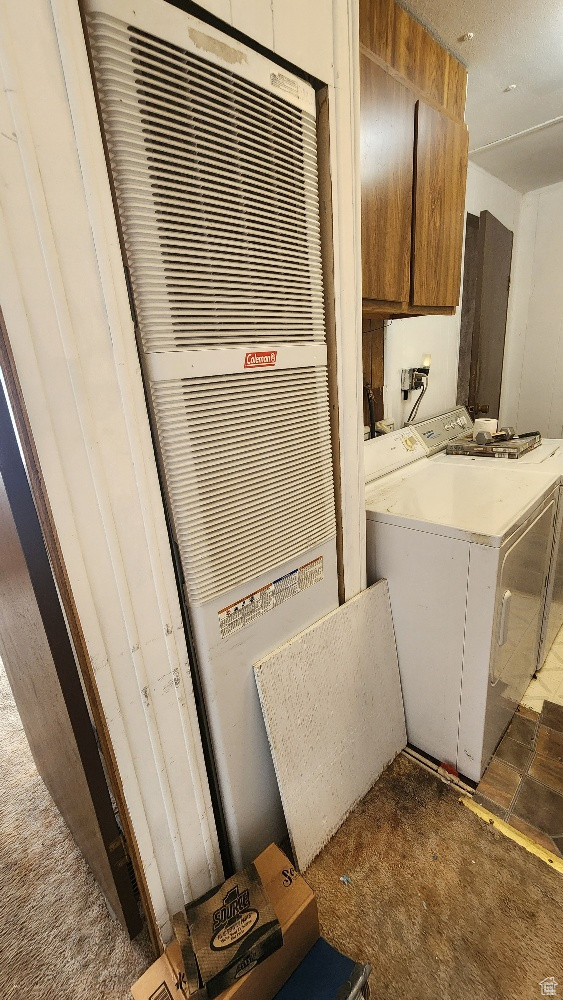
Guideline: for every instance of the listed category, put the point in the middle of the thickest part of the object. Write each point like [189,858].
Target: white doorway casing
[64,298]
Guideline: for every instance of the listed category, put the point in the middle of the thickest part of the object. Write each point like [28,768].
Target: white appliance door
[521,584]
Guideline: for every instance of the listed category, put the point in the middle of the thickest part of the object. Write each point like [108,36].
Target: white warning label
[253,606]
[283,82]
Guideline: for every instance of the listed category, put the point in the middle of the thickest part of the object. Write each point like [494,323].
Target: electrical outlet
[412,378]
[406,379]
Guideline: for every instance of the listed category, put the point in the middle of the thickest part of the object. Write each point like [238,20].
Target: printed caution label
[244,612]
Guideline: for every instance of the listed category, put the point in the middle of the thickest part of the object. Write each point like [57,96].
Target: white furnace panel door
[212,150]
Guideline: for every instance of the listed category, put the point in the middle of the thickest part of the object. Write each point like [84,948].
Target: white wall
[408,339]
[64,299]
[536,396]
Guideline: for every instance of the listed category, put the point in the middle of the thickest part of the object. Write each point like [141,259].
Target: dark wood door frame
[373,338]
[36,530]
[486,284]
[470,265]
[491,306]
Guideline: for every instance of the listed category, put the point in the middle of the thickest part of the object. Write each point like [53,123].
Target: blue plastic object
[322,975]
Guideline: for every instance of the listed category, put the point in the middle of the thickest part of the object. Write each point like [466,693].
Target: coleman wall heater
[213,159]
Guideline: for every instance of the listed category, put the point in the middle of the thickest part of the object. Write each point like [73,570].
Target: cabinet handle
[504,616]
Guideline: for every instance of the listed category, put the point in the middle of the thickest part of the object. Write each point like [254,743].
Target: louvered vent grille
[216,182]
[248,469]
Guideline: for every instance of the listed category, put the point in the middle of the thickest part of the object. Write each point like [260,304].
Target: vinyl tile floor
[523,784]
[549,682]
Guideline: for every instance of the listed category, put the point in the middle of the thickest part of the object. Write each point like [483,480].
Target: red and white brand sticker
[260,359]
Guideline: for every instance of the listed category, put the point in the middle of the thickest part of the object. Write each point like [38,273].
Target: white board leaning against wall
[333,708]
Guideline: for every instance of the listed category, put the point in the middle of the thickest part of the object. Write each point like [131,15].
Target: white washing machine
[466,553]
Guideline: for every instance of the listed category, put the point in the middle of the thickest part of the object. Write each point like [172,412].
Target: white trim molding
[65,303]
[344,112]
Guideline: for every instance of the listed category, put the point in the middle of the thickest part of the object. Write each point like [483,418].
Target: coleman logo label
[260,359]
[233,920]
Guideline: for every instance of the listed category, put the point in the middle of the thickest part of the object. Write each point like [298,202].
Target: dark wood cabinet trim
[409,48]
[417,92]
[401,310]
[373,333]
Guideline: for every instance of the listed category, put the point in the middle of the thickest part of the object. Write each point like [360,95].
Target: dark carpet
[57,939]
[442,905]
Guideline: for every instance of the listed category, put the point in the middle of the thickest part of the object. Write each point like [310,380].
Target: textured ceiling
[514,43]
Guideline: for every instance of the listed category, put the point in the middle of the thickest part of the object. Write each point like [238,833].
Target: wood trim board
[66,306]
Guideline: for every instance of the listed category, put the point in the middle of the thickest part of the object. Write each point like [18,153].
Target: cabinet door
[440,166]
[387,140]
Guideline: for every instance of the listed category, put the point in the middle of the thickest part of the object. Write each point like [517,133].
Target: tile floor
[549,682]
[523,784]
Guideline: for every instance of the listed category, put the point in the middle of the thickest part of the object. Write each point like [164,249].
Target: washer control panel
[436,432]
[392,451]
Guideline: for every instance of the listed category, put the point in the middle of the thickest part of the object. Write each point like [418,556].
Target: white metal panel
[161,365]
[332,704]
[481,600]
[427,578]
[223,242]
[252,805]
[216,185]
[248,463]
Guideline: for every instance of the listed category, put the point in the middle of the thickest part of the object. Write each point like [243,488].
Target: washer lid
[481,505]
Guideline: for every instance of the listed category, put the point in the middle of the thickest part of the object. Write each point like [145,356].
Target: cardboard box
[296,909]
[232,929]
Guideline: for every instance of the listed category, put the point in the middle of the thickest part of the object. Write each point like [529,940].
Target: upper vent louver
[216,184]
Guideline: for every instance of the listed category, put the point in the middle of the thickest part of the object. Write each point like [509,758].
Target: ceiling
[513,43]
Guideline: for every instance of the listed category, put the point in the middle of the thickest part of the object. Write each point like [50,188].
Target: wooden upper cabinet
[387,136]
[401,43]
[438,207]
[413,164]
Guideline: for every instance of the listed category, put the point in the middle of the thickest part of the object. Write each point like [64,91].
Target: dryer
[466,552]
[548,457]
